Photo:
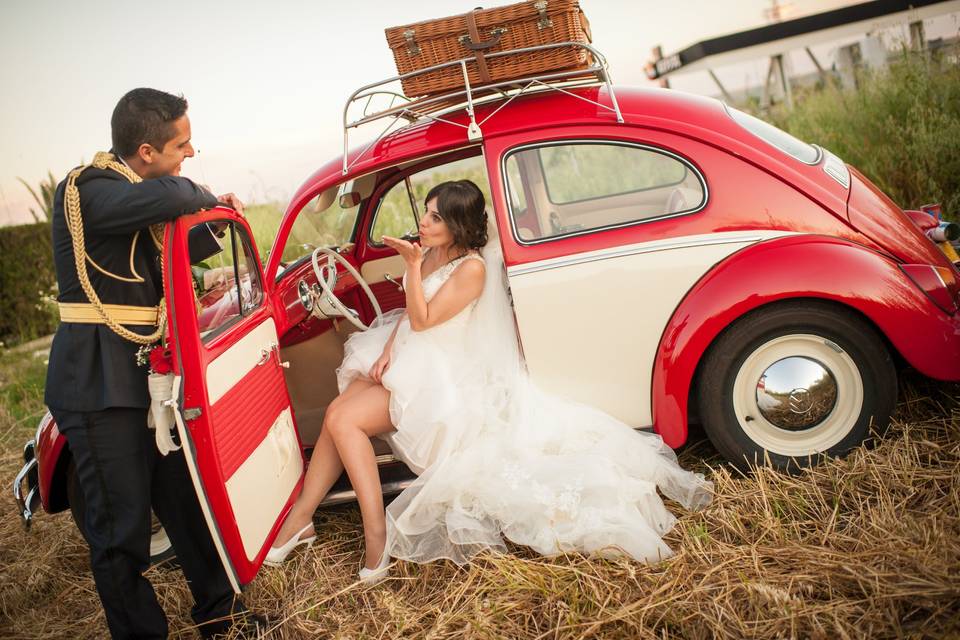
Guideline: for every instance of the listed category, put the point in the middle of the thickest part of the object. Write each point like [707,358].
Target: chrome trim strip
[837,169]
[818,148]
[25,505]
[619,252]
[348,495]
[610,141]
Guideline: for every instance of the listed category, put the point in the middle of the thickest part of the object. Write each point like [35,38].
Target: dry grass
[862,547]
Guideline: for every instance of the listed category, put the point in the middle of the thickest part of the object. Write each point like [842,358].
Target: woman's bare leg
[324,469]
[352,423]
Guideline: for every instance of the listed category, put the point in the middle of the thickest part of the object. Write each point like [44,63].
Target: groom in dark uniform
[97,392]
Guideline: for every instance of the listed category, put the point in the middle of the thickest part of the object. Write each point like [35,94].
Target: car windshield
[806,153]
[329,220]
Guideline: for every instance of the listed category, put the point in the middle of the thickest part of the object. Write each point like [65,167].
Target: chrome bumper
[29,474]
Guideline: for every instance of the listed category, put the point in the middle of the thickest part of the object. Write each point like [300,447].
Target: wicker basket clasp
[412,47]
[545,21]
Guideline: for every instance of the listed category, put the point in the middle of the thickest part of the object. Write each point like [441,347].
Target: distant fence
[27,282]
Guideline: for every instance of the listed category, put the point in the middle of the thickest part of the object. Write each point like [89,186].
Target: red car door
[239,435]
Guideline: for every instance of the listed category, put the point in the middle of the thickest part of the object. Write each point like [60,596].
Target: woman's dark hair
[144,115]
[461,205]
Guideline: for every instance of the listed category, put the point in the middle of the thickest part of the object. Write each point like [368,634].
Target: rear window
[806,153]
[560,189]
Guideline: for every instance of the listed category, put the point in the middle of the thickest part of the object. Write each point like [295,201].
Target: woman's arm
[464,286]
[380,366]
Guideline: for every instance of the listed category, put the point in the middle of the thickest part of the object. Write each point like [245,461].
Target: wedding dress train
[497,457]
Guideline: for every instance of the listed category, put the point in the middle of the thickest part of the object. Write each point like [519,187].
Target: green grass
[264,220]
[900,127]
[23,374]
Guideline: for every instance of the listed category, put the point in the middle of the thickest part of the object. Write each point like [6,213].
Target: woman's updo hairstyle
[461,205]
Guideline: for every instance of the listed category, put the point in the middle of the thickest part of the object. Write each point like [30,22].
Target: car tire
[161,549]
[794,382]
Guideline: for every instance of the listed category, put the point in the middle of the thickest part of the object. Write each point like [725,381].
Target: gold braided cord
[74,221]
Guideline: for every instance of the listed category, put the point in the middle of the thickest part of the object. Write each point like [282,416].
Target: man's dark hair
[461,205]
[144,115]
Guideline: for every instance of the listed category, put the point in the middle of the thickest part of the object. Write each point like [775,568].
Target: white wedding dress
[498,458]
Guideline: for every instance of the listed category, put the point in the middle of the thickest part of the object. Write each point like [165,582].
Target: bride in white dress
[444,383]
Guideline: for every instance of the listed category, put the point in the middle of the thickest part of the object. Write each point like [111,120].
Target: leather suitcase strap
[475,39]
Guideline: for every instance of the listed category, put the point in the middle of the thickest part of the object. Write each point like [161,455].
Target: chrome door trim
[619,252]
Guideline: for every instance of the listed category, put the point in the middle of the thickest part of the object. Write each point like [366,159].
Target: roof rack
[433,107]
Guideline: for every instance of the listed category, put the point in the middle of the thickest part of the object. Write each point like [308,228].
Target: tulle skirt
[428,378]
[552,474]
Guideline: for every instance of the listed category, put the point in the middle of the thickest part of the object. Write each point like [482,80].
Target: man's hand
[232,201]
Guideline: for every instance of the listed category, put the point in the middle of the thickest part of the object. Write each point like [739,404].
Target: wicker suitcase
[484,31]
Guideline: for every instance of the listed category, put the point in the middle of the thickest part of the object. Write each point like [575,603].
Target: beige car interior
[311,378]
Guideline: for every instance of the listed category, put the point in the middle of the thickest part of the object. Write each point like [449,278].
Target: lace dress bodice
[432,283]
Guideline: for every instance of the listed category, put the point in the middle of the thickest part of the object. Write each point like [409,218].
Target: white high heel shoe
[277,555]
[379,572]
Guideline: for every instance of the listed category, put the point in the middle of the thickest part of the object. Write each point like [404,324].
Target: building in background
[864,23]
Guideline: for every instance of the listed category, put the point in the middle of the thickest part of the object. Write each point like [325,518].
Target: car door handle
[391,279]
[266,352]
[265,356]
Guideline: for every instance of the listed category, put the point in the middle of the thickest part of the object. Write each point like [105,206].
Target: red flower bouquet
[161,360]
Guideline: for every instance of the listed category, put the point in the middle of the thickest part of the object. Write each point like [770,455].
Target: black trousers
[122,474]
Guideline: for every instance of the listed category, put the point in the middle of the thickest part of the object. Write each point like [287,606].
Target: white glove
[162,407]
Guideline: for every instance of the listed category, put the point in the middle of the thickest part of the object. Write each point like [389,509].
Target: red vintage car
[701,264]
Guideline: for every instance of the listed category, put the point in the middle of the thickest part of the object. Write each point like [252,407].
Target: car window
[396,215]
[576,172]
[560,189]
[782,140]
[226,276]
[518,199]
[329,220]
[399,211]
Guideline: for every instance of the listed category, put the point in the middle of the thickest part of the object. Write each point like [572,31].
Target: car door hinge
[191,414]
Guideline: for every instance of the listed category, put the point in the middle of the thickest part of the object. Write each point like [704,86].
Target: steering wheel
[329,304]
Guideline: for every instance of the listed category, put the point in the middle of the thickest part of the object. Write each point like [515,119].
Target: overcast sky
[266,81]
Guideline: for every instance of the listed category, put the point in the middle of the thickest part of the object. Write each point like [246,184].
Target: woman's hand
[409,251]
[380,367]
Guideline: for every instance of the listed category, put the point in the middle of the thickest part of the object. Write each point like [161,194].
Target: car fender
[790,268]
[53,457]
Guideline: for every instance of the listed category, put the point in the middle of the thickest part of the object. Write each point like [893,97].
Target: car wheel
[794,382]
[161,549]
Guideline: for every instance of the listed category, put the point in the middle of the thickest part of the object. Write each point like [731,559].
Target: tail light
[938,283]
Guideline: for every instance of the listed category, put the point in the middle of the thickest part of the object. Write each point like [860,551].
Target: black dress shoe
[241,625]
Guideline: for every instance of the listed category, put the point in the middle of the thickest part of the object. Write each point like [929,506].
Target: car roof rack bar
[467,96]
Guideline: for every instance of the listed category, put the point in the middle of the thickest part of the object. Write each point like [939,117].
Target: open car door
[238,432]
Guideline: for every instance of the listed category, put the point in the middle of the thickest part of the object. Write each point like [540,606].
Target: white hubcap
[844,380]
